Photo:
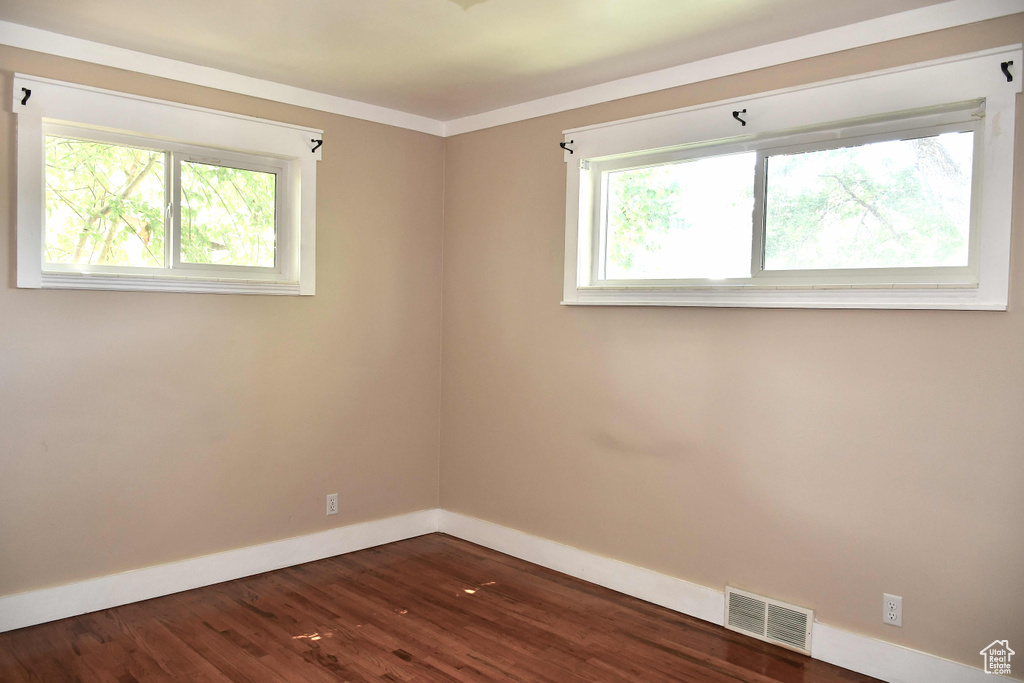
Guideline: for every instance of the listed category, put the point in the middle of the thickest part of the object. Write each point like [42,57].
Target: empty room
[528,340]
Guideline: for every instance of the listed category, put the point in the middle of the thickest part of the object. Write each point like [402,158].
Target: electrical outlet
[332,504]
[892,609]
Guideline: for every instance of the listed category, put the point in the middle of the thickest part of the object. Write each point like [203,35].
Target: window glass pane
[227,216]
[104,204]
[687,219]
[895,204]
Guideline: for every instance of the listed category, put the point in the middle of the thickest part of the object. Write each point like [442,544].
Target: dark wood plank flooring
[432,608]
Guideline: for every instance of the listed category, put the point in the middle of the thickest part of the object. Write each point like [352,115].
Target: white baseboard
[849,650]
[890,662]
[49,604]
[859,653]
[676,594]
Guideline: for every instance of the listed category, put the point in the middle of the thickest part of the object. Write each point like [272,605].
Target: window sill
[141,283]
[934,297]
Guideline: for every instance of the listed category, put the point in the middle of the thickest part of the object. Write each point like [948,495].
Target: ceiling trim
[38,40]
[892,27]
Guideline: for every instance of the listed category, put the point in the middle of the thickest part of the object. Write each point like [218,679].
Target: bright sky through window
[688,219]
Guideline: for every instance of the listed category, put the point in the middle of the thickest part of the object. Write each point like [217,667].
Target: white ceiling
[442,59]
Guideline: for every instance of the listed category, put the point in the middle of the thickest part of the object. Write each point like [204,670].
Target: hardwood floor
[432,608]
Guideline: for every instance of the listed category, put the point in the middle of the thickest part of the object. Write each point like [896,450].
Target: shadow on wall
[466,4]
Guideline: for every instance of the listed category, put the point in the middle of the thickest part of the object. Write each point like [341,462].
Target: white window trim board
[892,27]
[56,102]
[869,656]
[936,83]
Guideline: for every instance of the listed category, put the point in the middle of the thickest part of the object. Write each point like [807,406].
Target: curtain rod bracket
[736,115]
[563,146]
[317,145]
[28,94]
[1005,66]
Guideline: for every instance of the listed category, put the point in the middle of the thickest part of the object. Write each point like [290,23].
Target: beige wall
[816,456]
[139,428]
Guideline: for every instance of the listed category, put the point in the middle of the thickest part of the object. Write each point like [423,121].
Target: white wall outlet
[332,504]
[892,609]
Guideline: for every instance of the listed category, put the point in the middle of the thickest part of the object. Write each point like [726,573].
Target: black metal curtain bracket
[1005,66]
[317,145]
[736,115]
[28,94]
[563,146]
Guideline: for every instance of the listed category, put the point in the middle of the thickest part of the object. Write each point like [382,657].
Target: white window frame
[969,92]
[182,133]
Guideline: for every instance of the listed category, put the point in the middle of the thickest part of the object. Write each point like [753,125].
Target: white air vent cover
[768,620]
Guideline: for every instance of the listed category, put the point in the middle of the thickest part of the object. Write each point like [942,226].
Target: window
[892,206]
[140,194]
[903,202]
[124,208]
[226,216]
[680,220]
